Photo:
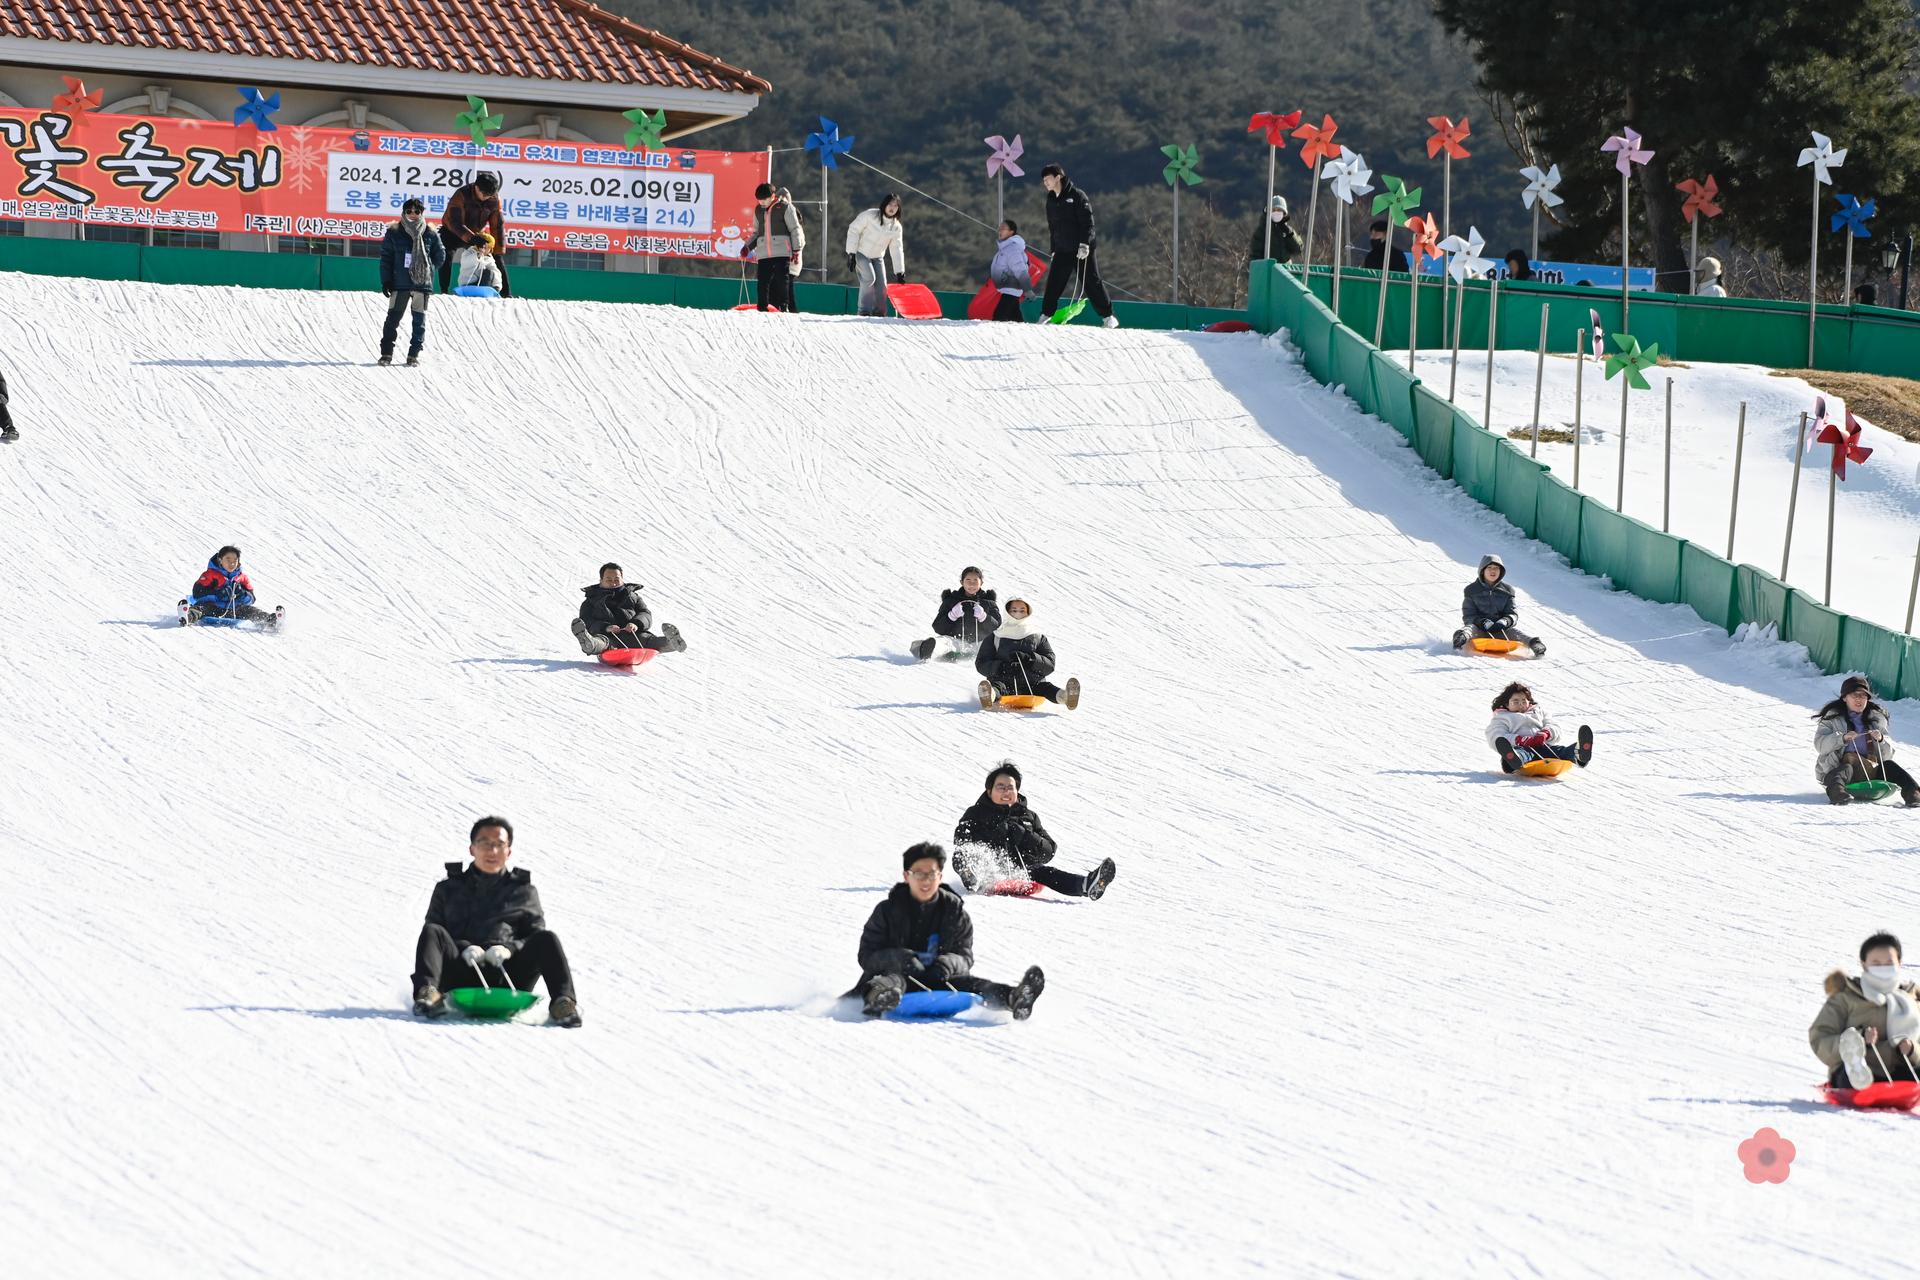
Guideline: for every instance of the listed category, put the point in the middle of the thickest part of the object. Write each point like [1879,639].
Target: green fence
[100,260]
[1592,536]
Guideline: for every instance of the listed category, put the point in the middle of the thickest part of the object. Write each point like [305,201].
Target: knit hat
[1006,767]
[1279,206]
[486,241]
[1856,683]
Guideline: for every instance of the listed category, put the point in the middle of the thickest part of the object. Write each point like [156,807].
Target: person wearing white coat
[873,238]
[1520,732]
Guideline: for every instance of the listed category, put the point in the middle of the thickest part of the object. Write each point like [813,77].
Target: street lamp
[1898,255]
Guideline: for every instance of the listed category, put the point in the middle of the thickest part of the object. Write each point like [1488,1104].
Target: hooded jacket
[1286,241]
[967,626]
[1488,604]
[470,214]
[1830,739]
[1848,1005]
[1009,830]
[777,232]
[218,589]
[1016,653]
[1011,273]
[614,606]
[1069,219]
[939,932]
[480,910]
[874,235]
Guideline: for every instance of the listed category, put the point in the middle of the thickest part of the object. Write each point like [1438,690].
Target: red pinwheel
[1426,238]
[76,98]
[1846,445]
[1275,124]
[1448,136]
[1318,143]
[1700,198]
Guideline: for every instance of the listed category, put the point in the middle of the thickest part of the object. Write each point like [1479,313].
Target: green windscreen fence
[1594,537]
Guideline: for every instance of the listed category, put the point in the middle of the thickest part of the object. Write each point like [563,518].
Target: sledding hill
[1355,1004]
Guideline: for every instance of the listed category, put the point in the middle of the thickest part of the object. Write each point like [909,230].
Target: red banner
[202,175]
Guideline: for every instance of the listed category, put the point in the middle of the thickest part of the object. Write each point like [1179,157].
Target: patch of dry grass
[1548,435]
[1889,403]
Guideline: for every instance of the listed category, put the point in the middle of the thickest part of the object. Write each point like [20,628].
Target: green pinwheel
[1181,165]
[477,122]
[1630,359]
[645,134]
[1396,200]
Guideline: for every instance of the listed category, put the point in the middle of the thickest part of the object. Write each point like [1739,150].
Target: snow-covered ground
[1876,507]
[1356,1004]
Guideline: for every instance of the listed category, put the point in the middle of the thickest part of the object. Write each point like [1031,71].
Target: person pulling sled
[1016,659]
[966,616]
[1488,609]
[614,616]
[224,593]
[1854,745]
[999,837]
[1520,733]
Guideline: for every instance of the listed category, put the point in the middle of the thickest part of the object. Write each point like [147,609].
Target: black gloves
[850,263]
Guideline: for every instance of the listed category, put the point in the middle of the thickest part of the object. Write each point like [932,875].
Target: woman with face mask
[1867,1029]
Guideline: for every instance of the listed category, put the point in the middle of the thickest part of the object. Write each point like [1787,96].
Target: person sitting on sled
[224,591]
[1015,658]
[1520,732]
[1000,837]
[615,616]
[920,939]
[485,921]
[965,615]
[1868,1028]
[1854,747]
[1488,609]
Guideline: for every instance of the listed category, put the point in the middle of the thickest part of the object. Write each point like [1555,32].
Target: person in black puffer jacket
[1017,659]
[966,615]
[1070,227]
[1000,837]
[1488,609]
[920,939]
[614,615]
[486,919]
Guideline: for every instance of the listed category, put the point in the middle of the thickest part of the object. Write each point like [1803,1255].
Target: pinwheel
[1182,166]
[1627,152]
[1699,203]
[645,133]
[1846,448]
[1316,145]
[1004,160]
[1466,261]
[76,99]
[1348,175]
[1275,125]
[1446,138]
[1426,245]
[1822,156]
[1854,215]
[257,109]
[1629,359]
[477,122]
[1539,195]
[828,142]
[1394,202]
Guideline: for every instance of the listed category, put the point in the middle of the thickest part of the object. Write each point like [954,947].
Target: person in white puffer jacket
[1520,732]
[872,238]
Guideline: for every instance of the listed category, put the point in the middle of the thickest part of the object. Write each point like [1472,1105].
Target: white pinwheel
[1822,157]
[1464,260]
[1349,175]
[1540,186]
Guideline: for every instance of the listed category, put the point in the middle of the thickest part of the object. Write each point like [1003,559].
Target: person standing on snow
[872,238]
[1010,274]
[223,591]
[777,242]
[1015,658]
[1854,745]
[7,433]
[1488,608]
[1070,227]
[1869,1028]
[999,836]
[614,615]
[966,615]
[921,939]
[1521,733]
[485,921]
[1286,241]
[473,211]
[409,255]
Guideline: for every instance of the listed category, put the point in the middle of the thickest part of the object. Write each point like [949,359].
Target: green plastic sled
[1066,313]
[497,1005]
[1874,789]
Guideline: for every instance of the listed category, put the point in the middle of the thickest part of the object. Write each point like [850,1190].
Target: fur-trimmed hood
[1839,981]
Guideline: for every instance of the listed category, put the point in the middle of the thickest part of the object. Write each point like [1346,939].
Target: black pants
[1549,751]
[975,871]
[776,286]
[244,612]
[1008,308]
[1010,677]
[907,965]
[396,306]
[635,640]
[437,962]
[1854,768]
[1068,270]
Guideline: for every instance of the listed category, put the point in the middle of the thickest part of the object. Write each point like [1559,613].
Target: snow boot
[590,643]
[429,1003]
[386,358]
[1538,646]
[1837,789]
[413,362]
[988,696]
[1020,999]
[1584,752]
[1853,1056]
[883,993]
[1460,638]
[1912,798]
[564,1012]
[672,633]
[9,434]
[922,649]
[1097,882]
[1509,760]
[1111,322]
[1070,696]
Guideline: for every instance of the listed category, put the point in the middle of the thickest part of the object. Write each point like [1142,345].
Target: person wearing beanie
[1707,279]
[409,255]
[1488,609]
[1520,732]
[1286,241]
[999,837]
[473,211]
[1853,744]
[966,616]
[1016,658]
[614,615]
[919,938]
[777,242]
[223,591]
[1378,233]
[1867,1030]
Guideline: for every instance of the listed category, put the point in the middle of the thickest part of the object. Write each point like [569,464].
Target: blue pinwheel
[257,109]
[1853,217]
[829,143]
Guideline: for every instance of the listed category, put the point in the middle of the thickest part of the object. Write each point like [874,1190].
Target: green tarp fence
[1595,538]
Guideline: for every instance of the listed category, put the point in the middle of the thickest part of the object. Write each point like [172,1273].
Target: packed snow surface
[1356,1004]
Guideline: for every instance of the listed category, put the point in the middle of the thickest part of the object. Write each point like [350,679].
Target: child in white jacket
[1520,732]
[873,238]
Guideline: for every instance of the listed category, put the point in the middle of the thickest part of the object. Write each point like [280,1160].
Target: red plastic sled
[753,306]
[1888,1095]
[913,302]
[627,657]
[1013,888]
[1228,326]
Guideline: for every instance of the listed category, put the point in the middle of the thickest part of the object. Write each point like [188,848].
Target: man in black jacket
[1070,226]
[920,939]
[485,918]
[1487,608]
[1000,833]
[1377,254]
[615,615]
[967,615]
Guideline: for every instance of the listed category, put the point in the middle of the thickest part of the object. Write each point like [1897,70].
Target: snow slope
[1356,1005]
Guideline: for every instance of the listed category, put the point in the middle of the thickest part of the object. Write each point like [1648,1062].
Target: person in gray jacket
[1010,274]
[777,241]
[1488,609]
[1855,746]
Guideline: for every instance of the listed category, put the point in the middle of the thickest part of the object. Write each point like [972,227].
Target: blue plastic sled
[921,1006]
[218,622]
[476,291]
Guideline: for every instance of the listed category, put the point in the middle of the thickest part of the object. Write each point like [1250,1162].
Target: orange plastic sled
[1020,701]
[1545,768]
[1486,644]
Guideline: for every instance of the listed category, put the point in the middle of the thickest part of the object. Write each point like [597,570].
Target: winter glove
[953,614]
[979,614]
[1532,740]
[473,956]
[851,264]
[1083,251]
[900,278]
[1874,735]
[386,293]
[498,955]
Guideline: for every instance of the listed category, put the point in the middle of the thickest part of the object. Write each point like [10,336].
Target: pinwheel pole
[1627,153]
[1579,397]
[1424,247]
[1493,332]
[828,142]
[1628,361]
[1275,126]
[1822,157]
[1539,377]
[1739,450]
[1005,158]
[1349,178]
[1852,221]
[1395,201]
[1181,167]
[1315,146]
[1793,495]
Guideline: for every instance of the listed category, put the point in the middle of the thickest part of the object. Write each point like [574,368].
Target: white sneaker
[1111,322]
[1853,1056]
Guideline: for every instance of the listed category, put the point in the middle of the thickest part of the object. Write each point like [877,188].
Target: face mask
[1881,977]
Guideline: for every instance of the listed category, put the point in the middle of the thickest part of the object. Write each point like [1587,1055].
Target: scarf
[1016,628]
[421,272]
[1903,1019]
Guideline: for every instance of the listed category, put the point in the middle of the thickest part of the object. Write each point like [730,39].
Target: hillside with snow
[1355,1005]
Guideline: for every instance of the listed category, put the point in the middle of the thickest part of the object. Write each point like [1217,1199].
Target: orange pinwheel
[76,98]
[1448,137]
[1318,143]
[1426,237]
[1275,124]
[1700,198]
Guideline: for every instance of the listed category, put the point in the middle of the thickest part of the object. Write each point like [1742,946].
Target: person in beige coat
[872,239]
[1867,1029]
